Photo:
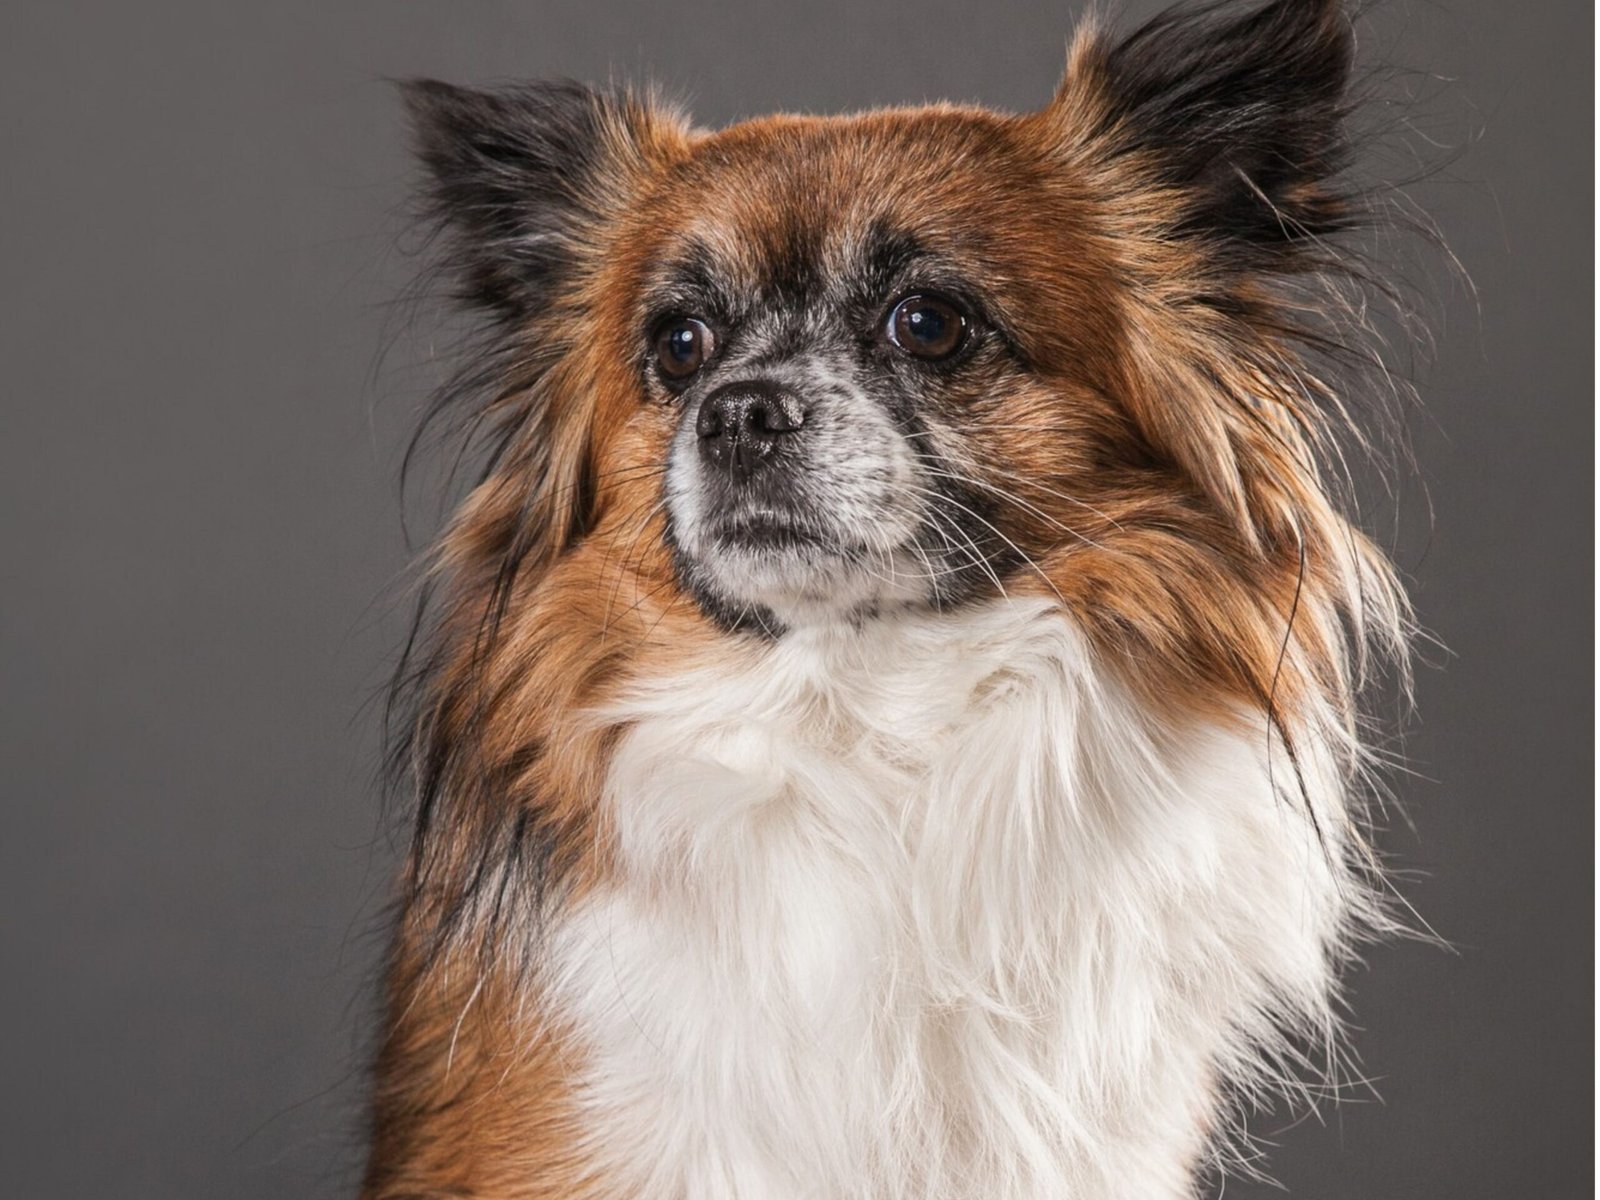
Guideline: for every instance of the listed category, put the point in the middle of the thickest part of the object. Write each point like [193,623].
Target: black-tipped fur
[1244,113]
[509,174]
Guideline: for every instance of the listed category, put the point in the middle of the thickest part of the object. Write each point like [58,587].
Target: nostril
[755,418]
[775,414]
[709,422]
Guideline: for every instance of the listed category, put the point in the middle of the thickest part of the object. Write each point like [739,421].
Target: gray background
[202,250]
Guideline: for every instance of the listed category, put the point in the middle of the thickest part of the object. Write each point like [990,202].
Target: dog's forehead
[831,197]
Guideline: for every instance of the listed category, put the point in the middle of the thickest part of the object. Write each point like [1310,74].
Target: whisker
[1012,498]
[638,532]
[1032,483]
[979,557]
[1021,553]
[974,556]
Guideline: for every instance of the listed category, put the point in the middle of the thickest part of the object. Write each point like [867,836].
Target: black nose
[741,424]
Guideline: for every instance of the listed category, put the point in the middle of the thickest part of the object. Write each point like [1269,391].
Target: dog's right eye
[683,344]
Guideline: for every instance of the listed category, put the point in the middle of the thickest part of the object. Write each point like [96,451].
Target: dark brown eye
[682,346]
[927,327]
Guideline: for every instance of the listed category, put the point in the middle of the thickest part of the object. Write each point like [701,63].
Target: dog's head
[898,357]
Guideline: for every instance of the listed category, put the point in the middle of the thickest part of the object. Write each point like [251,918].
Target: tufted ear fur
[1215,136]
[521,175]
[1241,115]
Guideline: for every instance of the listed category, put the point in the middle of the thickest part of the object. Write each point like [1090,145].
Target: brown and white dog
[886,725]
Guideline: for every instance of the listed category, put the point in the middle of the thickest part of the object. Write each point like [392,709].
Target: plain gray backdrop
[202,251]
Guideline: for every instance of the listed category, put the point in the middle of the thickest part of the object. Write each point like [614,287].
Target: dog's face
[847,337]
[854,364]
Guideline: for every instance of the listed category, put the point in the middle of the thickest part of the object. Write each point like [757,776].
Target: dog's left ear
[1238,118]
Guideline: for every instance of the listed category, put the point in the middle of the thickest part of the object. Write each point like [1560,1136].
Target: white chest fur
[935,909]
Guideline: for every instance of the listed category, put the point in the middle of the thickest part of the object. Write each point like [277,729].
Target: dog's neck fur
[935,907]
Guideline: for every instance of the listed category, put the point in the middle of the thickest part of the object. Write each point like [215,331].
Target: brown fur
[1158,460]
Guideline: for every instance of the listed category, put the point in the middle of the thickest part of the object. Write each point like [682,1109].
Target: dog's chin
[780,574]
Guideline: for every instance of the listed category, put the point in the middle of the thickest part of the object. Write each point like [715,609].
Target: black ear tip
[1330,18]
[435,106]
[1313,12]
[431,101]
[1327,21]
[421,92]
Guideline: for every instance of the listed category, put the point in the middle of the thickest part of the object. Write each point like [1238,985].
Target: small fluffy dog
[886,724]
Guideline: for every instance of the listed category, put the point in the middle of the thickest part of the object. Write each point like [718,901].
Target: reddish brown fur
[1197,524]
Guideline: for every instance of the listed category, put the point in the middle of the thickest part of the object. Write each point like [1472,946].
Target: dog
[887,722]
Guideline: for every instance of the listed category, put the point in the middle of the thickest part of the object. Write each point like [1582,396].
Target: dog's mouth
[770,532]
[788,568]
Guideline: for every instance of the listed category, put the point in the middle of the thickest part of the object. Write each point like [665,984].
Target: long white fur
[931,906]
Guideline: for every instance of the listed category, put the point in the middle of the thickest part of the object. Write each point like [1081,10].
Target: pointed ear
[522,175]
[1240,112]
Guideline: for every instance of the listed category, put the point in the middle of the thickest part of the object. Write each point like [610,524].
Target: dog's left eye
[682,347]
[927,327]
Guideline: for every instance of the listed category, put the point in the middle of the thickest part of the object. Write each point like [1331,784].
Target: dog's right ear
[522,175]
